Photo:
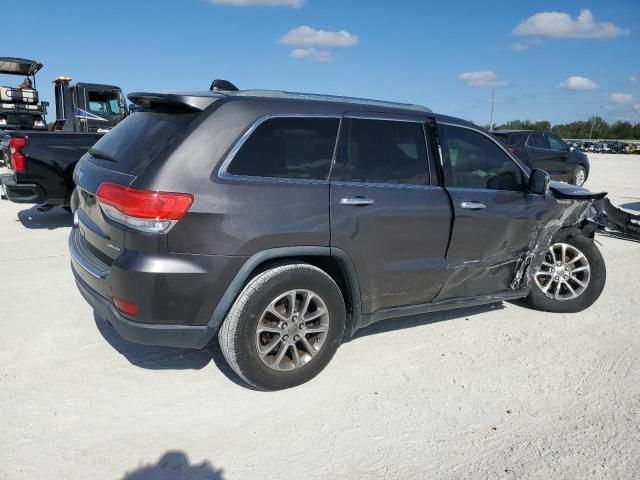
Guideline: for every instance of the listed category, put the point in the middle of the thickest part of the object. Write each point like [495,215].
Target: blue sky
[446,55]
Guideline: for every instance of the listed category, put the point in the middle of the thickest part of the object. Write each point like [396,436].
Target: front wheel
[571,277]
[284,327]
[579,176]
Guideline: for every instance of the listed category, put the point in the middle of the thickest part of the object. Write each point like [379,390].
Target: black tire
[74,201]
[578,173]
[237,335]
[538,300]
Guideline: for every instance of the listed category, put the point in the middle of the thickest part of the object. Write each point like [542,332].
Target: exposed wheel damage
[574,214]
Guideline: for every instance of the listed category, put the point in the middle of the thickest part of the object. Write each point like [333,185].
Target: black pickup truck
[42,162]
[41,165]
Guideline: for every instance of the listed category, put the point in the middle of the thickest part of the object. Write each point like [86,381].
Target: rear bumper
[176,294]
[165,335]
[21,192]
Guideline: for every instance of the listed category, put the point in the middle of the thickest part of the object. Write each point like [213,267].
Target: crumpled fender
[573,215]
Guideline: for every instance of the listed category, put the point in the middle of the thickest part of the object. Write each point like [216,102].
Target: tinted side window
[472,160]
[383,151]
[538,140]
[516,139]
[555,143]
[299,148]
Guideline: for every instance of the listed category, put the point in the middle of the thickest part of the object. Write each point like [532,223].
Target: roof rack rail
[328,98]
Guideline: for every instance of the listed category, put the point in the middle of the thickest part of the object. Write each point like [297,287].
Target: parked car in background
[281,222]
[548,152]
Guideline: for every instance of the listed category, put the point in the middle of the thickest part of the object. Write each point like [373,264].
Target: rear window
[135,141]
[298,148]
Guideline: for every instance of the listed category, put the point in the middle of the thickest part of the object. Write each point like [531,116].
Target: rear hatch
[119,158]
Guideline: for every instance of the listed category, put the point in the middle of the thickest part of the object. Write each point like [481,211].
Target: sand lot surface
[490,392]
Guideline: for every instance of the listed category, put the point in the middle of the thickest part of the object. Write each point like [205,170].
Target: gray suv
[283,222]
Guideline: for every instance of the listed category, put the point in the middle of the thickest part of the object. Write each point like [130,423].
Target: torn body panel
[616,222]
[572,215]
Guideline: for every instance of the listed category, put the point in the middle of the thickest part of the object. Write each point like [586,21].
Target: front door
[386,214]
[544,157]
[494,217]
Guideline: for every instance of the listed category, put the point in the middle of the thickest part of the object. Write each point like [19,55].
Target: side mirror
[539,182]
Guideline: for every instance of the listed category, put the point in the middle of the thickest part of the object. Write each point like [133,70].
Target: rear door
[494,216]
[547,156]
[386,212]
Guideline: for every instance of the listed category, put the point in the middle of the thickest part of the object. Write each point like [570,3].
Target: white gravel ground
[487,392]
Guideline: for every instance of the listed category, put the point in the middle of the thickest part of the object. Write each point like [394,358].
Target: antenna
[493,104]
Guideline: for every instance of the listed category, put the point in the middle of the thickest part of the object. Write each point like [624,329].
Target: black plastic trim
[449,304]
[180,336]
[21,192]
[259,258]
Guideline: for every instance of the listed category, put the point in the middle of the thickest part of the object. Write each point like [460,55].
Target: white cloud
[561,25]
[621,98]
[259,3]
[305,36]
[634,79]
[519,47]
[578,83]
[314,54]
[485,79]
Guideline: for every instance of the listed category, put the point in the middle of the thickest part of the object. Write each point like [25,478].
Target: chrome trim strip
[343,183]
[79,254]
[387,118]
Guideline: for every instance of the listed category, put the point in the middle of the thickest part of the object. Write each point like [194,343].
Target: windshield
[104,103]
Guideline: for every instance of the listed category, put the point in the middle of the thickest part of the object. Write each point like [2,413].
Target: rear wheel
[284,327]
[579,176]
[571,277]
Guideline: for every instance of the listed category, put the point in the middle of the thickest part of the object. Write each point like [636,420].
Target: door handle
[473,205]
[356,201]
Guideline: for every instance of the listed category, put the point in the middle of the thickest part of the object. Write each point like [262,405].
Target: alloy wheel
[580,177]
[565,272]
[292,330]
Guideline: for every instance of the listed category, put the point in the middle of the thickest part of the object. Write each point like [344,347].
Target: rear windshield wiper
[101,155]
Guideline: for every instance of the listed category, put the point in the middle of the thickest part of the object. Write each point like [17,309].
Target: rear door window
[515,139]
[384,151]
[538,140]
[288,147]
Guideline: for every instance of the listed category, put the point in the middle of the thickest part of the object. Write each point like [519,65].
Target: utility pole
[493,103]
[591,132]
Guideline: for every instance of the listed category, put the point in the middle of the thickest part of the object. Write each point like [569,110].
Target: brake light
[143,210]
[127,308]
[18,161]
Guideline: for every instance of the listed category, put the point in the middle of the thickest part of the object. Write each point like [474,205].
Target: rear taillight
[18,162]
[143,210]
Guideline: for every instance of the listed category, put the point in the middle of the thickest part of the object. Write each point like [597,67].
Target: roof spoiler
[190,102]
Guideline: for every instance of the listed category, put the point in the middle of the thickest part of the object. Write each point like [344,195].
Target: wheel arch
[333,261]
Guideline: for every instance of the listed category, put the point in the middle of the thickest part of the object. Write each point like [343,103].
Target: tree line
[594,127]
